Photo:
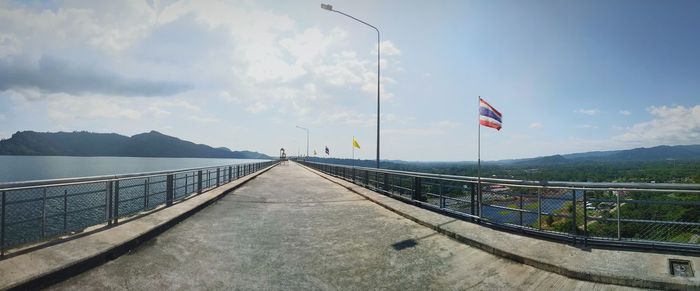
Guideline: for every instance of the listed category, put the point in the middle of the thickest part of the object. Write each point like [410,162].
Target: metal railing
[636,215]
[36,211]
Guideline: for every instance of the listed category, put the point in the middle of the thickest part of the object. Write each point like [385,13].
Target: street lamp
[307,139]
[330,8]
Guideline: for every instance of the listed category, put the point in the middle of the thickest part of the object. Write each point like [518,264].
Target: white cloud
[9,45]
[442,127]
[625,112]
[345,68]
[535,125]
[348,117]
[446,124]
[671,125]
[228,52]
[587,126]
[256,107]
[588,111]
[62,107]
[203,119]
[91,24]
[387,48]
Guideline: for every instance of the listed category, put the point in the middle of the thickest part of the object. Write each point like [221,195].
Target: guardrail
[637,215]
[36,211]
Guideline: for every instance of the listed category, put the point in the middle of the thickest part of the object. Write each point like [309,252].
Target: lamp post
[330,8]
[307,139]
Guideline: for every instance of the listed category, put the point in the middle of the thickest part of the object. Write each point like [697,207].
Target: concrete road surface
[289,229]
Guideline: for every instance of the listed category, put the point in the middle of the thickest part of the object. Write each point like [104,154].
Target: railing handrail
[105,201]
[6,186]
[661,187]
[564,214]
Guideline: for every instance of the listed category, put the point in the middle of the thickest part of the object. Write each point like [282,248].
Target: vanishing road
[290,229]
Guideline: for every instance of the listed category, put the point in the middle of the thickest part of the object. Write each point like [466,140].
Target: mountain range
[652,154]
[82,143]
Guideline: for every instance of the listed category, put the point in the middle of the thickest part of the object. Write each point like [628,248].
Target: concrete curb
[47,266]
[450,229]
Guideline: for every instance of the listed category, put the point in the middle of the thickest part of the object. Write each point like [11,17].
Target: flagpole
[353,158]
[478,163]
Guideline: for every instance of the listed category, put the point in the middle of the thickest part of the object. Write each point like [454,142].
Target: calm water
[23,168]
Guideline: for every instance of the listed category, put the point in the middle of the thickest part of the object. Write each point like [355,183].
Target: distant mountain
[150,144]
[658,153]
[544,161]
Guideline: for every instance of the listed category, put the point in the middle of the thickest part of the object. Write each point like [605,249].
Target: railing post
[585,217]
[43,215]
[480,200]
[367,178]
[619,236]
[521,209]
[238,171]
[574,230]
[229,173]
[472,195]
[199,182]
[218,177]
[376,181]
[2,224]
[145,194]
[116,202]
[108,202]
[418,190]
[386,182]
[539,208]
[442,198]
[65,210]
[169,190]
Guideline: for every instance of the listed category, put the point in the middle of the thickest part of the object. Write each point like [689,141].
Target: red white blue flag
[489,116]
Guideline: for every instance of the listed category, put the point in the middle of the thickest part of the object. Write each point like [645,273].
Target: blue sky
[568,76]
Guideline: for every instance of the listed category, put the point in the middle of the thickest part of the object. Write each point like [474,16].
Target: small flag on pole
[489,116]
[328,152]
[355,144]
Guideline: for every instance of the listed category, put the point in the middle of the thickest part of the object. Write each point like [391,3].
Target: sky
[568,76]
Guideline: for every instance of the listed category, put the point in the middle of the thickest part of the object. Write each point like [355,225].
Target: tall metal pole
[478,165]
[330,8]
[378,92]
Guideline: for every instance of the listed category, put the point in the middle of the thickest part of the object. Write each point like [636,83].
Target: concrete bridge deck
[290,229]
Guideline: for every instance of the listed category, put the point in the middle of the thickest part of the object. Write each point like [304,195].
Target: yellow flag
[355,144]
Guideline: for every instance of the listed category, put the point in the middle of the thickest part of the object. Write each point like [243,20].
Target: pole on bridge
[169,190]
[108,202]
[2,224]
[199,182]
[116,202]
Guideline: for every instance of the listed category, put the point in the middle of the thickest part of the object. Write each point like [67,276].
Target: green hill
[150,144]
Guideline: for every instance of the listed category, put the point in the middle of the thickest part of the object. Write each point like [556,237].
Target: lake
[25,168]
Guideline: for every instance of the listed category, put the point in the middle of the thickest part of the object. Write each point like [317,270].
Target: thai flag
[489,116]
